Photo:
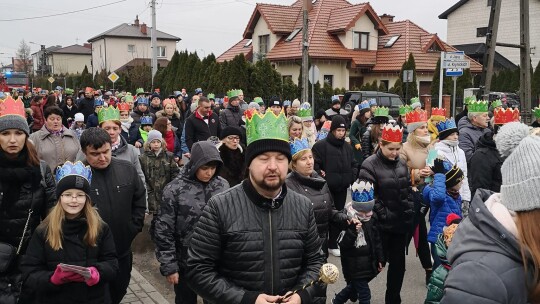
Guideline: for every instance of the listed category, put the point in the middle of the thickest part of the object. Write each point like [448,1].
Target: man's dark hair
[94,137]
[37,98]
[53,110]
[233,98]
[202,99]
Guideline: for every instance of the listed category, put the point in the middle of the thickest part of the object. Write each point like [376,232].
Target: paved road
[413,291]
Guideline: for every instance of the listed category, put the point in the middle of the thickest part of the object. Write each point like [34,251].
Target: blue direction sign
[454,72]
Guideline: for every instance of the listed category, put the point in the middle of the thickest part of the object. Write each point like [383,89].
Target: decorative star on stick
[329,274]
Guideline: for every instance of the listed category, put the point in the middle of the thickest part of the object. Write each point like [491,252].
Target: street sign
[313,74]
[113,77]
[454,72]
[407,75]
[461,64]
[51,80]
[454,56]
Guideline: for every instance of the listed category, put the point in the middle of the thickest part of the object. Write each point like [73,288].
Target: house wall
[116,50]
[364,24]
[261,28]
[463,22]
[338,69]
[69,63]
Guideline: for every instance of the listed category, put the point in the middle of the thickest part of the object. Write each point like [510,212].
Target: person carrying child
[362,255]
[444,198]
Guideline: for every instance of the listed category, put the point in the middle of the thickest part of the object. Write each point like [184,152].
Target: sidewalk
[142,292]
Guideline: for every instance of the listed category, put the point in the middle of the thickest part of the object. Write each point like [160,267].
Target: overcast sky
[208,26]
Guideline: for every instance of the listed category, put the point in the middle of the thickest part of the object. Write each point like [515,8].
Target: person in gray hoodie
[495,252]
[471,128]
[183,201]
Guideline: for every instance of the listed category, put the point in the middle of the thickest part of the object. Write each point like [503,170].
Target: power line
[61,14]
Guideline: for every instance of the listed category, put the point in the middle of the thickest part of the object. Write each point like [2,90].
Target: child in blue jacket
[444,198]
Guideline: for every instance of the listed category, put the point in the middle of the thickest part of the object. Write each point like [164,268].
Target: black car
[391,101]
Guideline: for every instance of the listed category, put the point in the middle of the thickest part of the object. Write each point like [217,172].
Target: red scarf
[169,139]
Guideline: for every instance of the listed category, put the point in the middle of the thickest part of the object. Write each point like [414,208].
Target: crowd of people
[248,199]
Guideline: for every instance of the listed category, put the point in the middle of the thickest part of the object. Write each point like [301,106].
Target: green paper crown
[139,91]
[496,103]
[382,111]
[234,93]
[267,126]
[108,113]
[405,109]
[129,97]
[536,112]
[211,96]
[258,100]
[469,99]
[480,106]
[415,99]
[69,91]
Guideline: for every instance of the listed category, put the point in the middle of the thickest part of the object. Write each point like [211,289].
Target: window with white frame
[161,51]
[360,40]
[264,41]
[131,48]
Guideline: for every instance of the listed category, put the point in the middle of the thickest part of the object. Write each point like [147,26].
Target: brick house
[349,43]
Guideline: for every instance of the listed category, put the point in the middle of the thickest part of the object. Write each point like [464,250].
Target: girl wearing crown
[391,181]
[73,234]
[27,188]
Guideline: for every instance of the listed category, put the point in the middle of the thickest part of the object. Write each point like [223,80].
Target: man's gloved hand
[438,166]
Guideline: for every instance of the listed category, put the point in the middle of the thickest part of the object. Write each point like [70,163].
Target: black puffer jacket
[245,245]
[40,262]
[234,165]
[183,201]
[335,158]
[316,190]
[392,185]
[485,166]
[361,263]
[230,116]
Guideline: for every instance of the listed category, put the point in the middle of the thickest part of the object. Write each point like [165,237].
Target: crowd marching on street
[247,199]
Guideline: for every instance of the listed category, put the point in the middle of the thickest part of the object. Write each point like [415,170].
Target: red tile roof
[280,18]
[237,49]
[342,19]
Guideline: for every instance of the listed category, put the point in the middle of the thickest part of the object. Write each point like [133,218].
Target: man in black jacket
[86,104]
[120,196]
[258,240]
[202,124]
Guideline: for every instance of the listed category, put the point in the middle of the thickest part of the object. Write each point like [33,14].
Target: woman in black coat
[233,154]
[69,109]
[25,183]
[390,177]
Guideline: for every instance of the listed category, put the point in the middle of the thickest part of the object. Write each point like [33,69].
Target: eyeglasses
[233,138]
[79,197]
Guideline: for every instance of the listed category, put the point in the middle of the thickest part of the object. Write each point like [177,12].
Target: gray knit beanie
[14,122]
[153,135]
[415,125]
[520,189]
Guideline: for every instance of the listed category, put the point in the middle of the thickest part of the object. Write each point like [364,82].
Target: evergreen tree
[447,82]
[535,84]
[86,78]
[289,90]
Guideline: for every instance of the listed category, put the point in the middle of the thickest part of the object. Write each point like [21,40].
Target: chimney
[136,21]
[143,28]
[87,45]
[385,19]
[308,4]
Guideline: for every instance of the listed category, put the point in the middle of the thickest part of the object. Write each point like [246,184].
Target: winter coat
[535,124]
[56,150]
[361,263]
[335,158]
[86,107]
[316,190]
[245,245]
[176,119]
[356,134]
[69,115]
[159,170]
[120,197]
[487,265]
[461,114]
[40,262]
[129,131]
[392,185]
[183,201]
[415,156]
[468,137]
[198,130]
[486,166]
[92,121]
[37,114]
[438,277]
[231,117]
[456,156]
[13,216]
[234,165]
[441,205]
[153,110]
[136,115]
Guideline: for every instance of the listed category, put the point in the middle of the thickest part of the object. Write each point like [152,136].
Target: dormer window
[434,48]
[360,40]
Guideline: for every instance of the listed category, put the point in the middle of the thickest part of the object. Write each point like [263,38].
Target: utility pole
[154,42]
[305,53]
[525,58]
[489,53]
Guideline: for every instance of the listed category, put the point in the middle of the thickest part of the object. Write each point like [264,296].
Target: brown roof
[342,19]
[125,30]
[280,18]
[413,39]
[237,49]
[74,49]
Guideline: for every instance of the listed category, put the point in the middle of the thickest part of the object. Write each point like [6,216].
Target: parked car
[509,100]
[391,101]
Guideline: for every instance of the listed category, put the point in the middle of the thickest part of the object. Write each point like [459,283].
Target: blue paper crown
[98,102]
[299,145]
[321,135]
[362,192]
[446,125]
[335,97]
[77,168]
[146,120]
[287,103]
[142,100]
[372,102]
[363,105]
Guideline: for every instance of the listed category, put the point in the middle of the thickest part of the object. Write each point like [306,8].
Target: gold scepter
[329,274]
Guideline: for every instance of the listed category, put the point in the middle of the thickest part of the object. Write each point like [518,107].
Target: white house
[468,21]
[129,42]
[70,60]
